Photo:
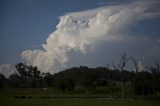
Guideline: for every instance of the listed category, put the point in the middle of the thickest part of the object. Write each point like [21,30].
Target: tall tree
[2,81]
[22,72]
[155,69]
[122,64]
[28,74]
[14,81]
[136,68]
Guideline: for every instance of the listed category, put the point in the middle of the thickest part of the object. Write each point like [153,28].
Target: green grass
[9,101]
[7,98]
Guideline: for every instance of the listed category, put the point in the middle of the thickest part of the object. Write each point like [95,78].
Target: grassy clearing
[8,101]
[33,97]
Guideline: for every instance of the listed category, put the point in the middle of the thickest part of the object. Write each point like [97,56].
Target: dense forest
[141,82]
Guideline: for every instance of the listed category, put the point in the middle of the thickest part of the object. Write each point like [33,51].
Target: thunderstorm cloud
[94,37]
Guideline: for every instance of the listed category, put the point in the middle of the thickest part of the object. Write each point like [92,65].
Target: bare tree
[122,64]
[135,63]
[157,65]
[136,67]
[155,69]
[108,67]
[114,65]
[110,84]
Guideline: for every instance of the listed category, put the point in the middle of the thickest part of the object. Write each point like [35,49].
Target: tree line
[142,82]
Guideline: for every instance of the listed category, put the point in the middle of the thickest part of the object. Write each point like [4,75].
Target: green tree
[14,81]
[22,72]
[29,75]
[155,69]
[48,79]
[3,81]
[144,83]
[136,68]
[121,66]
[88,81]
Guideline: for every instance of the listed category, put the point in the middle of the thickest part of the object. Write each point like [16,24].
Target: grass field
[74,102]
[37,97]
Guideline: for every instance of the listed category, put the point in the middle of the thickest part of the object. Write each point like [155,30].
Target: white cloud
[140,66]
[6,69]
[82,32]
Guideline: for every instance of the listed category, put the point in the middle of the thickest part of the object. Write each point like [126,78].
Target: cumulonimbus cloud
[81,32]
[7,69]
[93,36]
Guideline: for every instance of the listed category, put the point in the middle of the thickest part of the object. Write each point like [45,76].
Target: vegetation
[52,97]
[82,86]
[90,79]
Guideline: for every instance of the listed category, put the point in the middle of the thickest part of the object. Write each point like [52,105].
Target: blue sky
[25,24]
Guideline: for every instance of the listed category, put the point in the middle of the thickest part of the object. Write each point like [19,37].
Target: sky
[25,24]
[57,34]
